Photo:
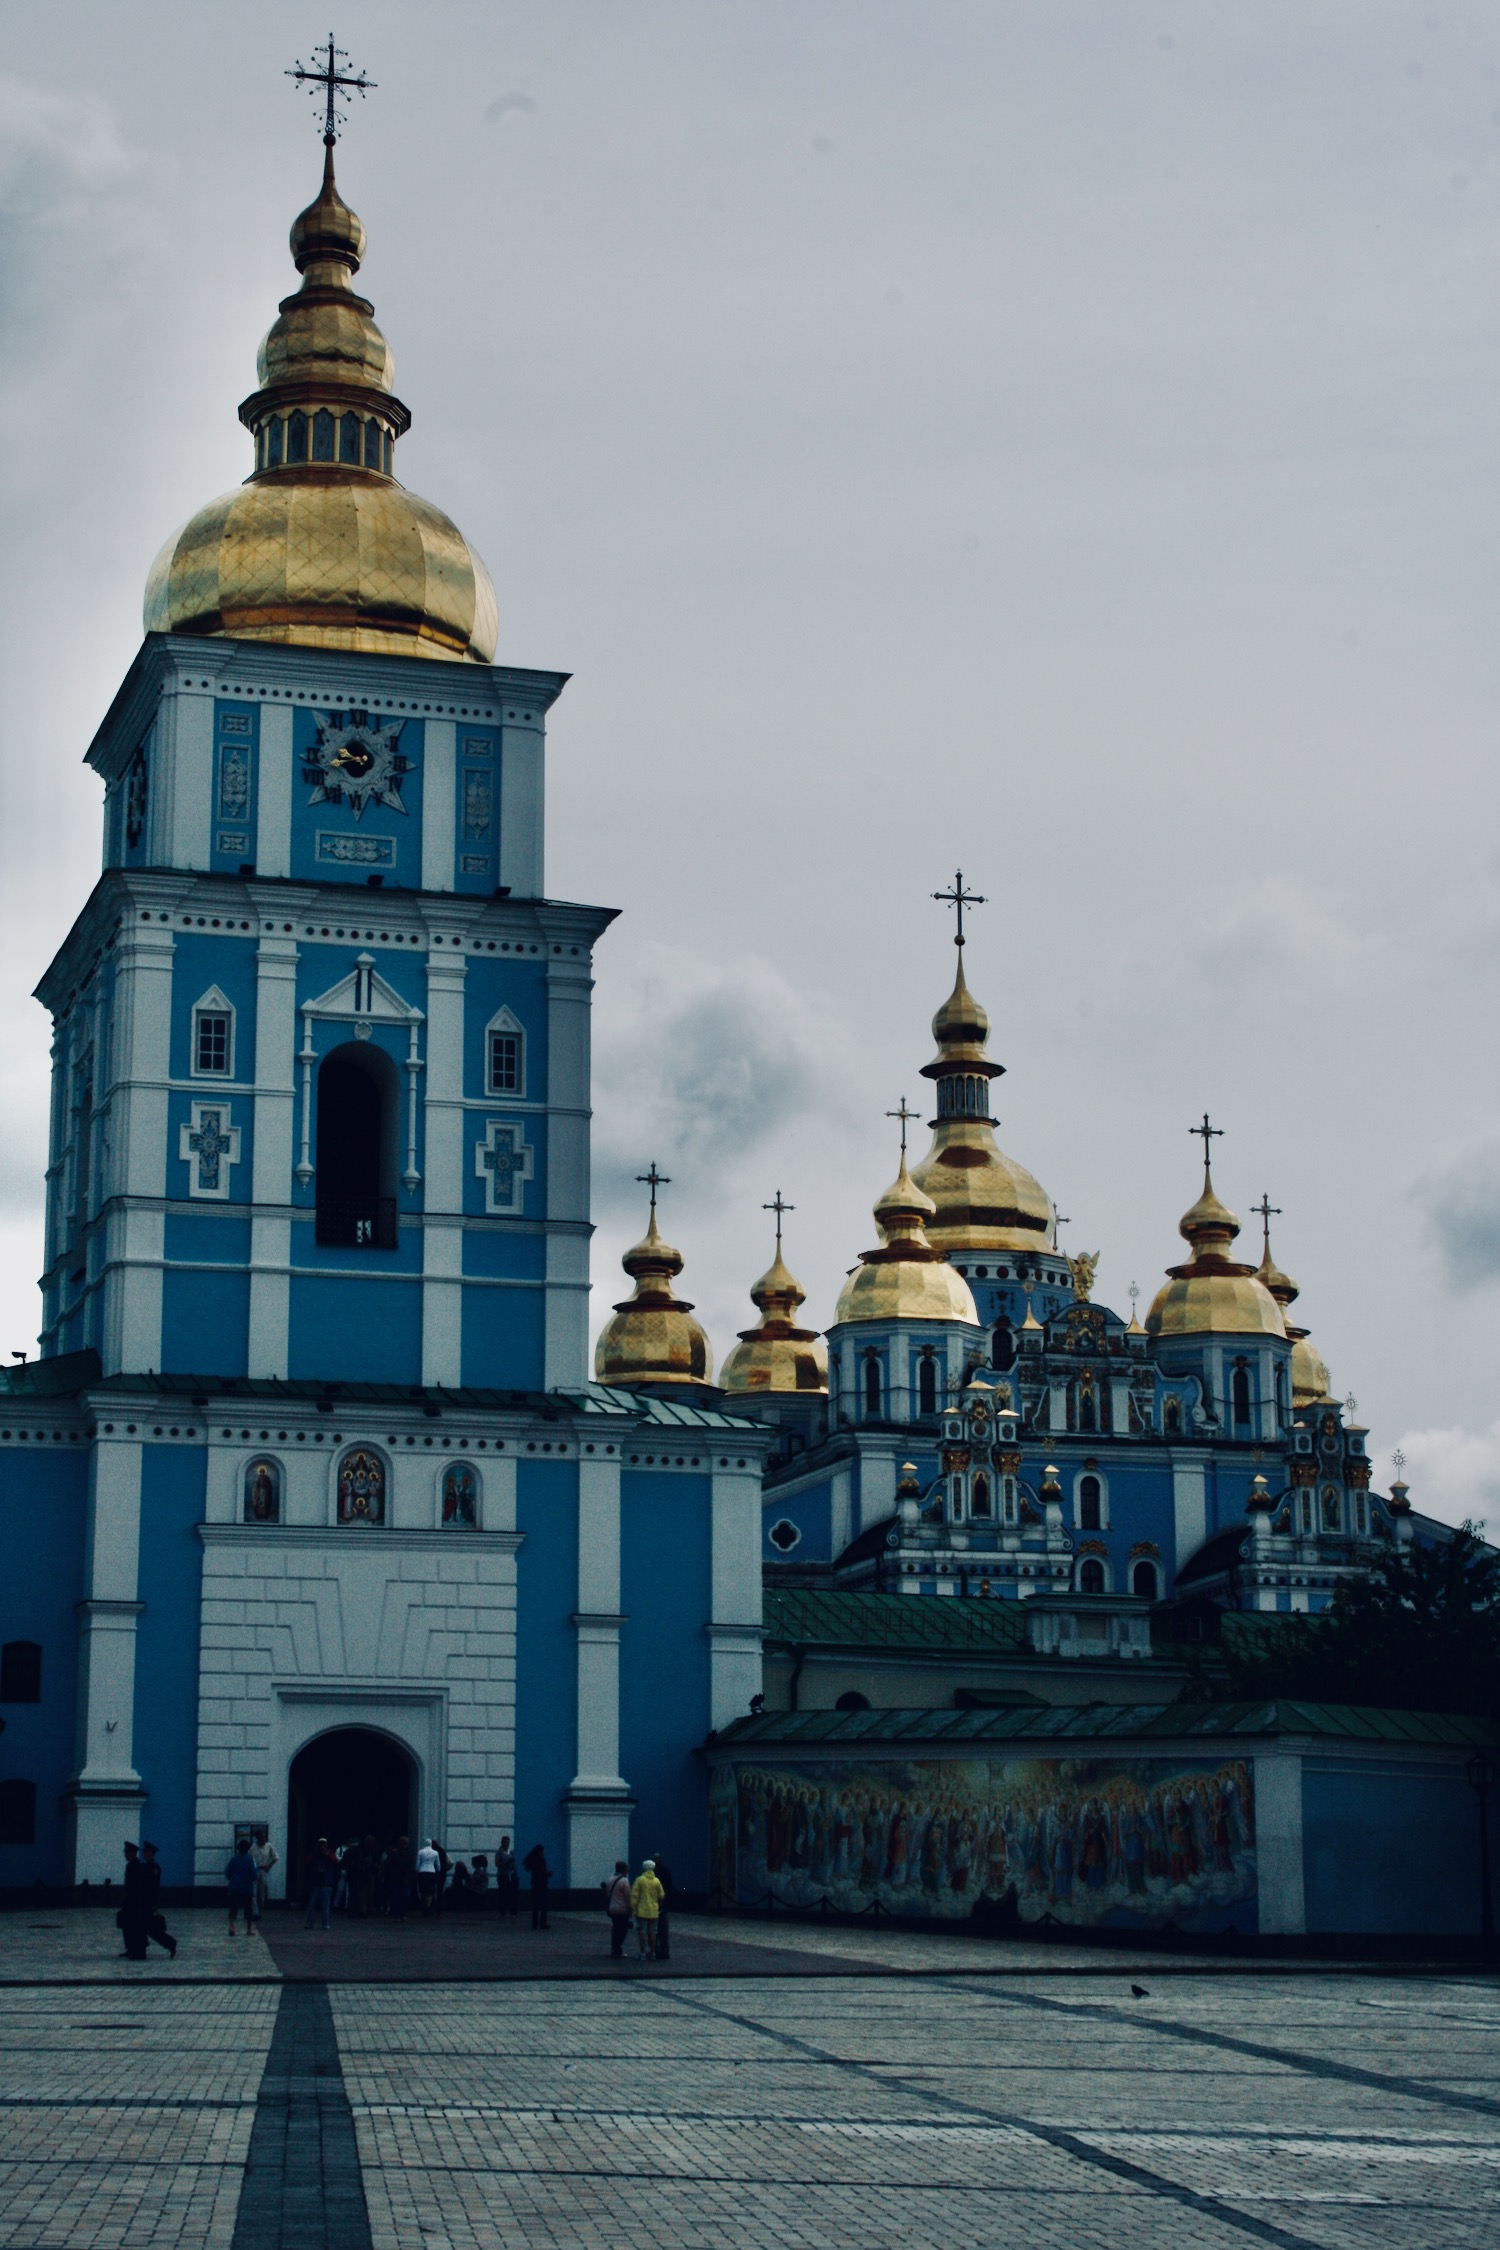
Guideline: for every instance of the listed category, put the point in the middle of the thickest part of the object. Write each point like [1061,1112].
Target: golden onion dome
[1213,1294]
[983,1199]
[321,546]
[905,1277]
[777,1355]
[1310,1378]
[653,1337]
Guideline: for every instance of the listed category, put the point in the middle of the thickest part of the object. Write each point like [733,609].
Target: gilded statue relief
[1083,1269]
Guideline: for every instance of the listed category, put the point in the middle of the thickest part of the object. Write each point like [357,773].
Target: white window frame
[505,1023]
[1104,1564]
[1104,1522]
[1134,1565]
[213,1003]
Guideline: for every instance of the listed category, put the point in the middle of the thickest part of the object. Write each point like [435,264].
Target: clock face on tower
[355,762]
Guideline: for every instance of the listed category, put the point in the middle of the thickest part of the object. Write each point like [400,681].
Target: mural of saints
[361,1487]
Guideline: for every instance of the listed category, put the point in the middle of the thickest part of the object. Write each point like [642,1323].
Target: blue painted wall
[503,1338]
[170,1588]
[546,1655]
[205,1322]
[666,1597]
[346,1329]
[1388,1847]
[811,1510]
[43,1508]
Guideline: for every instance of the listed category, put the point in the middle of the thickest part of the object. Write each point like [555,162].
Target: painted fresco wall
[1122,1842]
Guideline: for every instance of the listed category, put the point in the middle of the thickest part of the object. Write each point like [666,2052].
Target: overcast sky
[1051,436]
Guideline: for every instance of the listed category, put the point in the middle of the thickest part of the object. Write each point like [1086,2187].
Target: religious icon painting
[460,1497]
[263,1492]
[361,1487]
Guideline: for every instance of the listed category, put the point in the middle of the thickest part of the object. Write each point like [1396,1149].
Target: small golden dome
[984,1199]
[905,1278]
[1212,1294]
[1310,1379]
[653,1337]
[777,1355]
[321,546]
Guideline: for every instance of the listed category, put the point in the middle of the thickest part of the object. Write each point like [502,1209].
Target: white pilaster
[439,786]
[1278,1841]
[1189,1504]
[735,1627]
[190,732]
[599,1800]
[106,1794]
[522,809]
[140,1068]
[273,820]
[275,1125]
[442,1245]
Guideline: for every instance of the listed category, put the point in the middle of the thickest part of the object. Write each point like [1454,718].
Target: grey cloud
[502,105]
[1463,1209]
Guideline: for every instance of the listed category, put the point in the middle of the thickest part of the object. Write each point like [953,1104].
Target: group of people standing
[362,1878]
[645,1903]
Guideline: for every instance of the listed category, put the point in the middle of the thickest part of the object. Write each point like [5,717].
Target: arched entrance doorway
[352,1782]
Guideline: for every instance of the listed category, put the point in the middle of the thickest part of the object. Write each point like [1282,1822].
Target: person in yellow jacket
[646,1895]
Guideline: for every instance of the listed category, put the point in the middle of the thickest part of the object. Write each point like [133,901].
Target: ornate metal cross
[337,85]
[653,1180]
[778,1207]
[1059,1219]
[958,898]
[1206,1133]
[905,1115]
[1265,1211]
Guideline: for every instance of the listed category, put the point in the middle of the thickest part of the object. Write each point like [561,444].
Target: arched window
[1240,1394]
[273,444]
[1171,1418]
[1143,1581]
[372,445]
[263,1492]
[213,1036]
[1088,1413]
[460,1497]
[296,436]
[505,1056]
[981,1506]
[1008,1498]
[958,1499]
[872,1385]
[927,1384]
[322,435]
[17,1812]
[852,1700]
[1332,1510]
[349,439]
[1091,1576]
[1088,1504]
[361,1486]
[1003,1346]
[358,1130]
[21,1672]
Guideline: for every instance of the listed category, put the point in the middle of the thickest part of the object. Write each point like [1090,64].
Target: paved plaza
[785,2087]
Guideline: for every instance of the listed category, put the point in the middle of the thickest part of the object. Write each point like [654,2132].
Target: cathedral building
[313,1518]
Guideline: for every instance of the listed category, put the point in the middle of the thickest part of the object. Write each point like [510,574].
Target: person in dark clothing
[135,1912]
[401,1877]
[156,1921]
[535,1864]
[240,1877]
[664,1911]
[507,1879]
[617,1907]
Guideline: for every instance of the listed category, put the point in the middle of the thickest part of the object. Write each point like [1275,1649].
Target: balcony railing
[357,1222]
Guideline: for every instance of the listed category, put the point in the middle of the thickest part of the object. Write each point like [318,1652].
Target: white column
[1278,1841]
[439,786]
[1189,1504]
[599,1801]
[273,815]
[139,1161]
[877,1486]
[1057,1406]
[275,1129]
[569,985]
[522,809]
[188,738]
[106,1794]
[443,1198]
[1119,1404]
[734,1630]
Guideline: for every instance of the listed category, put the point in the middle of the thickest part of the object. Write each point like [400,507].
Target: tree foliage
[1420,1633]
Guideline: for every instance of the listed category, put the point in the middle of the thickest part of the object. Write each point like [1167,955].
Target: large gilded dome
[321,546]
[1213,1294]
[653,1337]
[904,1277]
[983,1199]
[778,1354]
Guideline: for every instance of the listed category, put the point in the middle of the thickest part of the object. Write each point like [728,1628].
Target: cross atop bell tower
[334,86]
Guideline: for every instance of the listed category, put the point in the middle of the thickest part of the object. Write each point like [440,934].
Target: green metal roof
[1094,1722]
[808,1613]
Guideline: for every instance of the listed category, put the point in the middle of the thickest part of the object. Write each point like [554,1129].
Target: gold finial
[1135,1328]
[652,1337]
[777,1354]
[1031,1320]
[958,898]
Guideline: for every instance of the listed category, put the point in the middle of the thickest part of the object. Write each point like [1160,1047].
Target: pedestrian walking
[645,1905]
[617,1907]
[507,1878]
[664,1912]
[265,1859]
[322,1873]
[135,1909]
[535,1864]
[156,1921]
[429,1871]
[240,1875]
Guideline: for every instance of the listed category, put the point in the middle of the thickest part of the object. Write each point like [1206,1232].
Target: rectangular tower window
[505,1063]
[212,1057]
